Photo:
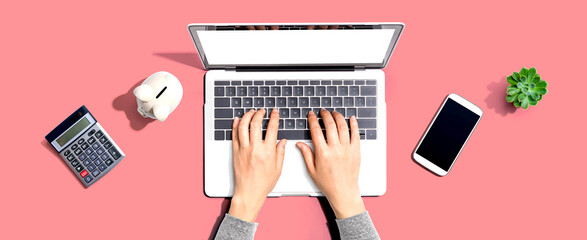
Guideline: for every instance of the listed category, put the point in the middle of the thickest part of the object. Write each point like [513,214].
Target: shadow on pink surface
[188,58]
[127,102]
[223,209]
[496,98]
[50,148]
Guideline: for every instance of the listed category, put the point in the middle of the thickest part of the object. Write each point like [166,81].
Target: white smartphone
[446,136]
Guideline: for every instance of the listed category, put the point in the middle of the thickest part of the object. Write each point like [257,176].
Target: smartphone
[448,133]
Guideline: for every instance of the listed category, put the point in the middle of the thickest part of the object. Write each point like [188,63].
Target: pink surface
[521,176]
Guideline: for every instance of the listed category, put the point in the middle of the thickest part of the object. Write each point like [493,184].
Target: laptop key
[371,101]
[263,91]
[315,82]
[292,102]
[353,91]
[269,82]
[258,102]
[331,90]
[290,123]
[239,112]
[371,134]
[280,124]
[351,112]
[280,83]
[280,102]
[371,82]
[253,91]
[228,135]
[349,102]
[283,113]
[294,113]
[222,124]
[221,82]
[362,134]
[218,91]
[325,102]
[305,112]
[298,91]
[230,91]
[367,112]
[241,91]
[247,102]
[303,82]
[359,82]
[304,102]
[326,82]
[265,123]
[348,82]
[300,123]
[314,102]
[221,102]
[258,82]
[317,112]
[367,123]
[291,82]
[286,91]
[236,83]
[337,102]
[248,83]
[360,101]
[235,102]
[341,111]
[309,91]
[320,91]
[368,91]
[218,135]
[223,113]
[269,102]
[275,91]
[294,134]
[337,82]
[343,91]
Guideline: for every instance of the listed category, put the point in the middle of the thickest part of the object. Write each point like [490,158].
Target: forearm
[357,227]
[235,228]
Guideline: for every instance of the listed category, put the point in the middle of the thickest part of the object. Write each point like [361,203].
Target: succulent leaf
[534,95]
[525,103]
[520,85]
[513,91]
[516,76]
[541,91]
[533,102]
[542,84]
[524,72]
[511,80]
[517,103]
[521,97]
[531,73]
[536,78]
[510,98]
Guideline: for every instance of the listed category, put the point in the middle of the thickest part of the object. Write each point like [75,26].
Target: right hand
[334,166]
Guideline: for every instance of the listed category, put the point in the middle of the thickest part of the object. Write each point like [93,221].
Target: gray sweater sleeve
[357,227]
[235,228]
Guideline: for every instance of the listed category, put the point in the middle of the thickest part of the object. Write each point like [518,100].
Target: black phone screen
[448,134]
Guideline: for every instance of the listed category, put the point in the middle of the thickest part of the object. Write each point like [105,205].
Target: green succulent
[526,88]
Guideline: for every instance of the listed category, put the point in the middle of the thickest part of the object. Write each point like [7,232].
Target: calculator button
[79,168]
[95,146]
[104,156]
[93,156]
[91,132]
[102,167]
[78,151]
[74,146]
[89,151]
[87,162]
[88,178]
[99,134]
[91,167]
[83,157]
[107,144]
[109,161]
[100,151]
[66,153]
[91,140]
[103,139]
[81,141]
[70,157]
[84,146]
[96,172]
[98,162]
[75,163]
[115,154]
[84,173]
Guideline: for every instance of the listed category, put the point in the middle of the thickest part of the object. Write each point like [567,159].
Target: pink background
[521,176]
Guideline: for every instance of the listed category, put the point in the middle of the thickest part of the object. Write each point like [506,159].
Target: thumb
[280,152]
[308,156]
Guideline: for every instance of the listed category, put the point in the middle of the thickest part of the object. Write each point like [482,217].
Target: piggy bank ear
[144,93]
[161,111]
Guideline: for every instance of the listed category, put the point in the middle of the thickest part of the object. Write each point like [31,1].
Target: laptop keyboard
[294,99]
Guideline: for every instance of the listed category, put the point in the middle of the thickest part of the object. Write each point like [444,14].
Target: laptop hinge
[230,69]
[359,68]
[293,68]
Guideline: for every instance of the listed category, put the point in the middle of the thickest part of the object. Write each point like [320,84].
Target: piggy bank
[159,95]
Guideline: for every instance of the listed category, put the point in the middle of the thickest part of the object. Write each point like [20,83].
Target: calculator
[85,146]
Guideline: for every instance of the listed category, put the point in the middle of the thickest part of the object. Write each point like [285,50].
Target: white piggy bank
[159,95]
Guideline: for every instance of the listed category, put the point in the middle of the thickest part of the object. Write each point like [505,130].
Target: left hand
[257,163]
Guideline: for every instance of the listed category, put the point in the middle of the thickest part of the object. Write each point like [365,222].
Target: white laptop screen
[295,46]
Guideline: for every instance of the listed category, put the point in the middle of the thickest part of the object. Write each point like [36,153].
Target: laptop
[297,68]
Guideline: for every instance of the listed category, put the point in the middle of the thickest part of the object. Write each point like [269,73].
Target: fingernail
[322,109]
[333,111]
[274,110]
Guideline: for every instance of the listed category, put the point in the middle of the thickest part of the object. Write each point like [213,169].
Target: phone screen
[448,134]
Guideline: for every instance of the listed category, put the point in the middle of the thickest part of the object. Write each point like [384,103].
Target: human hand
[334,166]
[257,163]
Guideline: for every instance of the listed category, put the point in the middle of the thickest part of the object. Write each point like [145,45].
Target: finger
[333,27]
[308,156]
[274,27]
[260,27]
[343,128]
[256,123]
[330,125]
[315,130]
[272,127]
[250,27]
[355,138]
[280,153]
[310,27]
[323,27]
[243,128]
[235,142]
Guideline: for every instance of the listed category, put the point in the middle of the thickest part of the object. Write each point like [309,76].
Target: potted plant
[526,88]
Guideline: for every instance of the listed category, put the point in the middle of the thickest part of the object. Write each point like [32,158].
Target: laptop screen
[295,45]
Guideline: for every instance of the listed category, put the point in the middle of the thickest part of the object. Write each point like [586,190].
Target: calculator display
[73,131]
